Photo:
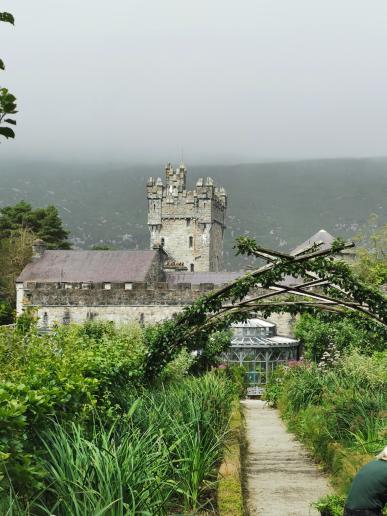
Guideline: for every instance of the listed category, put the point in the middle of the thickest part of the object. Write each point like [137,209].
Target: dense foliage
[83,430]
[15,253]
[44,223]
[159,456]
[318,332]
[20,225]
[65,375]
[337,408]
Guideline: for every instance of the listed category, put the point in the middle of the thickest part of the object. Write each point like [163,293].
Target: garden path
[280,478]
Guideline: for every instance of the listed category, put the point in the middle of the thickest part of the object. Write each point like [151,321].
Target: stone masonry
[188,224]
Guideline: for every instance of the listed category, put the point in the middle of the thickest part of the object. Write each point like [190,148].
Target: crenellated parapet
[175,188]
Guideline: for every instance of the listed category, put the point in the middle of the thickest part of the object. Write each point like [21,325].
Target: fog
[212,80]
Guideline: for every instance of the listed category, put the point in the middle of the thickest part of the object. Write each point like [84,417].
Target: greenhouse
[256,346]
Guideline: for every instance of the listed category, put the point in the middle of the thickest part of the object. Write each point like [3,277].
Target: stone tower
[189,224]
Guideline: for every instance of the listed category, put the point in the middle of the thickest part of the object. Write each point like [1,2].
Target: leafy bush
[331,505]
[318,332]
[6,313]
[65,375]
[237,375]
[178,368]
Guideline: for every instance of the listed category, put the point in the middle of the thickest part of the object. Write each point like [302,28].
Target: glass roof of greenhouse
[263,342]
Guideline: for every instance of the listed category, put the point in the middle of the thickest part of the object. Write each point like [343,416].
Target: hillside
[280,203]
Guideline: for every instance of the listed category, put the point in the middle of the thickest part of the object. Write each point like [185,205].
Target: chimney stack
[38,248]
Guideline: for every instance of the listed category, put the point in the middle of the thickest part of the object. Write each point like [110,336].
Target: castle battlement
[175,187]
[189,223]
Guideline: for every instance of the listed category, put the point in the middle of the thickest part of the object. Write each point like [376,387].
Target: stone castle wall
[120,303]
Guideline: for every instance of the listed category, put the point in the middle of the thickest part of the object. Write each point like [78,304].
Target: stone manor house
[184,261]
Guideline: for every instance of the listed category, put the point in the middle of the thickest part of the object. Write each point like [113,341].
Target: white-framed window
[68,285]
[107,286]
[128,286]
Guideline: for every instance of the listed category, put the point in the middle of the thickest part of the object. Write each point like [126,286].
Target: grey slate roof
[196,278]
[89,266]
[321,236]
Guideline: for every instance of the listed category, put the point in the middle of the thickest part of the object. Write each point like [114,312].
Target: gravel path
[280,478]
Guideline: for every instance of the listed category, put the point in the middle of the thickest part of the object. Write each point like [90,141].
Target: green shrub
[237,375]
[178,368]
[65,375]
[331,505]
[6,313]
[318,332]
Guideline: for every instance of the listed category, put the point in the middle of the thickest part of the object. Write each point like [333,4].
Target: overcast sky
[220,80]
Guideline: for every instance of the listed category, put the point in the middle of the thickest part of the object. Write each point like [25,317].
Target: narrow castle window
[188,222]
[162,241]
[154,206]
[192,267]
[190,241]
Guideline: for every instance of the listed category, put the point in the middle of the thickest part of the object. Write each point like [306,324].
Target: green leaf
[2,65]
[7,102]
[10,121]
[7,17]
[7,132]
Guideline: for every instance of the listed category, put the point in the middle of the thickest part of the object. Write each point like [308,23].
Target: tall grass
[160,457]
[109,473]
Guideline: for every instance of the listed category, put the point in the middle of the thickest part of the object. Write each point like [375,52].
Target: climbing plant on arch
[320,282]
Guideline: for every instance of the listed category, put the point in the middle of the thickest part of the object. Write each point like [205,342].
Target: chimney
[38,248]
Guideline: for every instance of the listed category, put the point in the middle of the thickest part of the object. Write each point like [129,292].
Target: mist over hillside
[279,203]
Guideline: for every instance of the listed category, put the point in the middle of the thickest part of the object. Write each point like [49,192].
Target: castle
[184,262]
